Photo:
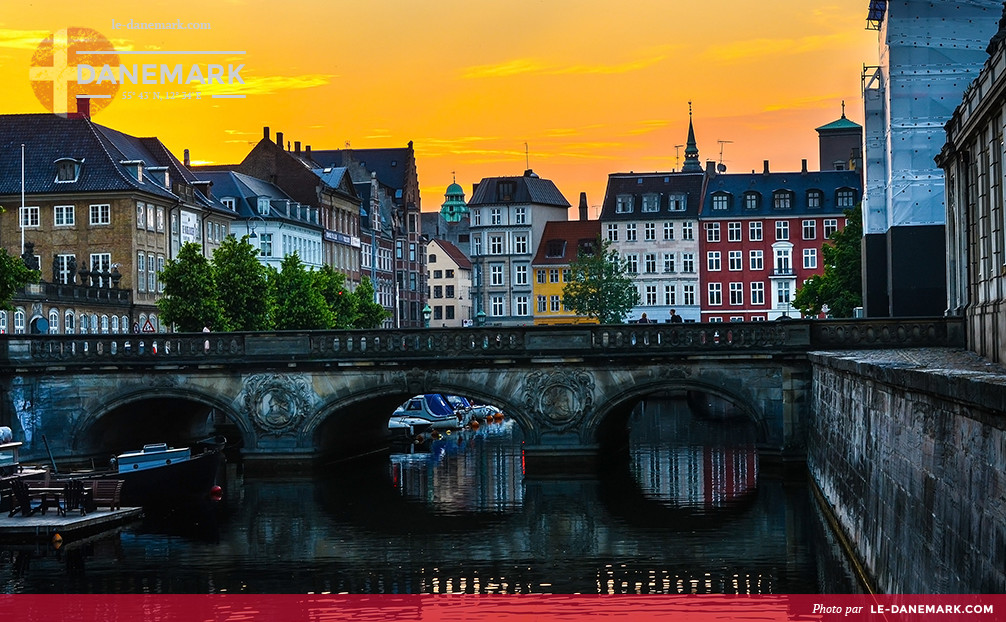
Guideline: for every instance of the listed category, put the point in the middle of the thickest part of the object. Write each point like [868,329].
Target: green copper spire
[691,149]
[454,208]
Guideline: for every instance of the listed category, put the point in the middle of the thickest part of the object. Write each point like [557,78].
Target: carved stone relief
[277,403]
[559,398]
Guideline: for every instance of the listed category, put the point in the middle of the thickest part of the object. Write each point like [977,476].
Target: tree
[841,285]
[599,286]
[14,275]
[190,299]
[369,314]
[340,300]
[299,304]
[241,285]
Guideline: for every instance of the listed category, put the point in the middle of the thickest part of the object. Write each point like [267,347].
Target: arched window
[104,324]
[53,321]
[115,324]
[82,323]
[69,325]
[19,321]
[94,324]
[3,322]
[141,322]
[153,322]
[125,324]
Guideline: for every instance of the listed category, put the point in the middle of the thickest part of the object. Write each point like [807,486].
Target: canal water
[686,508]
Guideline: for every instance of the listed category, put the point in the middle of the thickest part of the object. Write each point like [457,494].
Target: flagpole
[21,214]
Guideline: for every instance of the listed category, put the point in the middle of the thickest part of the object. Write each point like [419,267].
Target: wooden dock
[40,527]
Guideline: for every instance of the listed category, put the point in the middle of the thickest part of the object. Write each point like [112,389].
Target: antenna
[677,156]
[527,159]
[722,168]
[347,144]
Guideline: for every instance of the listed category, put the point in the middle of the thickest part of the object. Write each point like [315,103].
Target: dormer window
[677,202]
[229,203]
[845,198]
[135,168]
[623,204]
[160,173]
[651,202]
[782,199]
[721,201]
[263,205]
[67,170]
[814,198]
[555,248]
[752,200]
[506,191]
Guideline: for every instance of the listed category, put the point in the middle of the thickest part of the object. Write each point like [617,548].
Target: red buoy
[216,493]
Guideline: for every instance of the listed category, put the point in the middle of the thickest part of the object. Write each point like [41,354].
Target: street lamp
[427,312]
[480,318]
[251,223]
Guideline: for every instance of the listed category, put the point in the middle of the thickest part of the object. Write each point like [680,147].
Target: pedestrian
[643,319]
[675,317]
[206,344]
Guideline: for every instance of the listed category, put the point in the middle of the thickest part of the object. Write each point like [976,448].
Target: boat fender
[216,493]
[6,435]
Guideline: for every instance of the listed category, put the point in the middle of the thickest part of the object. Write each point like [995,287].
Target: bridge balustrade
[480,343]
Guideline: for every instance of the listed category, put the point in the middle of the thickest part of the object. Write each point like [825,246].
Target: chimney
[583,206]
[803,166]
[83,107]
[265,132]
[307,151]
[279,139]
[296,147]
[185,158]
[710,167]
[765,172]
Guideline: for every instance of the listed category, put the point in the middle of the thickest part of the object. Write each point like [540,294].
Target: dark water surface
[685,510]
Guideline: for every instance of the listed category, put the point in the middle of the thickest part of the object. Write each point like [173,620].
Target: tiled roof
[244,188]
[663,184]
[389,164]
[455,254]
[565,235]
[841,124]
[736,184]
[528,188]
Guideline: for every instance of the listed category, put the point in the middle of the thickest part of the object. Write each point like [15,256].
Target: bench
[106,492]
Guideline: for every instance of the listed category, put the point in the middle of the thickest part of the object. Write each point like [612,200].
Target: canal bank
[908,448]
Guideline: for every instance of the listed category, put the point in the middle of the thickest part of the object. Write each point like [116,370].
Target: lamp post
[480,318]
[250,226]
[427,312]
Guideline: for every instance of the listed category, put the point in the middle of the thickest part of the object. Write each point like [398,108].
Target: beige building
[450,283]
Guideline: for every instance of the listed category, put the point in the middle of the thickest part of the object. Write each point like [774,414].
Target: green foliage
[241,285]
[599,286]
[369,314]
[14,275]
[299,303]
[190,299]
[341,302]
[841,285]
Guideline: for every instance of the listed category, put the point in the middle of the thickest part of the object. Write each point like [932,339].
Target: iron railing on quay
[388,346]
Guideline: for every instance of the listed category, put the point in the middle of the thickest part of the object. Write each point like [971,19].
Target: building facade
[450,295]
[508,216]
[561,243]
[928,53]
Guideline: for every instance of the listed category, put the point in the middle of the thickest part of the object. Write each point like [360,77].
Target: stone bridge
[308,395]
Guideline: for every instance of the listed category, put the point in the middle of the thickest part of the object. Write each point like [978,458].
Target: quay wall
[908,448]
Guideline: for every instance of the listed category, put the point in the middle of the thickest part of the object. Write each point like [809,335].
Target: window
[160,220]
[623,204]
[69,323]
[412,251]
[721,201]
[782,261]
[449,312]
[432,259]
[553,275]
[62,216]
[555,248]
[67,170]
[496,245]
[63,268]
[712,232]
[810,258]
[553,303]
[160,268]
[632,263]
[845,198]
[754,232]
[736,293]
[756,260]
[141,272]
[101,214]
[650,296]
[735,261]
[520,305]
[520,218]
[814,199]
[477,217]
[713,260]
[830,227]
[688,294]
[687,231]
[476,246]
[495,216]
[150,218]
[101,262]
[670,295]
[783,293]
[650,262]
[265,245]
[19,321]
[651,202]
[29,217]
[781,230]
[630,232]
[496,306]
[758,293]
[438,291]
[809,229]
[398,249]
[668,262]
[687,262]
[520,275]
[520,243]
[542,304]
[507,189]
[53,321]
[567,275]
[677,202]
[668,230]
[104,324]
[496,275]
[612,232]
[539,275]
[782,199]
[448,291]
[449,274]
[733,232]
[650,231]
[751,200]
[438,274]
[715,294]
[438,312]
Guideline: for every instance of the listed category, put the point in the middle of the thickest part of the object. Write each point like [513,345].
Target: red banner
[519,608]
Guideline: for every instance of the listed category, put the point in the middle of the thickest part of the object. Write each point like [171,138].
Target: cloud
[267,85]
[761,48]
[21,39]
[531,66]
[649,126]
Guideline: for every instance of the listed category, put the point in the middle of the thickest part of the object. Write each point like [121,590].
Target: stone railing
[447,344]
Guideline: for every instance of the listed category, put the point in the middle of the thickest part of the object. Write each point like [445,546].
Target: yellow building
[558,248]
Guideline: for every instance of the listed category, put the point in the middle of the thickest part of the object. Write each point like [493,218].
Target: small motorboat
[423,413]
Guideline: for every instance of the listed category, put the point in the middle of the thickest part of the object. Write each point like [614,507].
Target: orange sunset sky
[592,87]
